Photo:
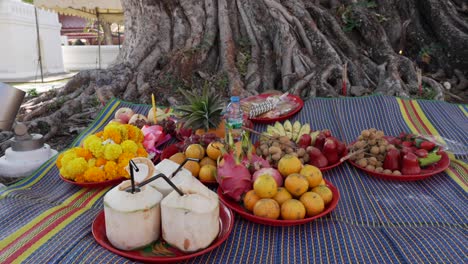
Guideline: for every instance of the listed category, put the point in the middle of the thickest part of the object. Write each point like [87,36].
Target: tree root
[244,47]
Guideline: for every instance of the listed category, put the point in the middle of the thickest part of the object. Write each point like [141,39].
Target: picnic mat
[46,220]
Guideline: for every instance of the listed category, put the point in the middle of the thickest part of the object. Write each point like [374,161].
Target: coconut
[145,169]
[190,222]
[133,220]
[167,167]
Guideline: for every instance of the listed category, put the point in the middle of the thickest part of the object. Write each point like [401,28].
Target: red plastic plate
[425,173]
[238,208]
[160,251]
[291,97]
[334,165]
[95,184]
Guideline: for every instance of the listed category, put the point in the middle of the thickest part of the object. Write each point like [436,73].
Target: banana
[288,128]
[305,129]
[280,129]
[271,130]
[314,135]
[296,128]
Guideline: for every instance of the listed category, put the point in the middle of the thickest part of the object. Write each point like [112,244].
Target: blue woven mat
[46,220]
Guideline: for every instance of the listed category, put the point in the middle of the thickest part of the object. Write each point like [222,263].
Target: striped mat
[46,220]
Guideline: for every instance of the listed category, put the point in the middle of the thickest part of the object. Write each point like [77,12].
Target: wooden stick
[354,153]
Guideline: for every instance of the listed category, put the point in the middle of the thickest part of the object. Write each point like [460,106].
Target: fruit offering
[205,168]
[126,115]
[300,192]
[403,155]
[318,148]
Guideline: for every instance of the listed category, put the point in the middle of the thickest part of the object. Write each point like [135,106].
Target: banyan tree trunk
[305,47]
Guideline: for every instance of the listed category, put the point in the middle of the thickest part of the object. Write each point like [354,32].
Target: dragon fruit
[233,177]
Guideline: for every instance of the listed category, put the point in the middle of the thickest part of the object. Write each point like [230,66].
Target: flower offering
[103,156]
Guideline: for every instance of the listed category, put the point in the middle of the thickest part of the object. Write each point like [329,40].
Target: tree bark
[106,28]
[249,46]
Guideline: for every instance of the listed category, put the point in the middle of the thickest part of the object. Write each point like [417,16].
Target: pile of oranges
[303,194]
[205,169]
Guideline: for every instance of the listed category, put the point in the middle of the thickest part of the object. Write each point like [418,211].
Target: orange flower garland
[104,155]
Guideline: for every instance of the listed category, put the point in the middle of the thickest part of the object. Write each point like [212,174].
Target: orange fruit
[313,203]
[289,164]
[324,192]
[282,195]
[179,157]
[265,186]
[193,167]
[296,184]
[313,175]
[322,182]
[207,173]
[214,150]
[207,161]
[250,199]
[267,208]
[195,151]
[292,209]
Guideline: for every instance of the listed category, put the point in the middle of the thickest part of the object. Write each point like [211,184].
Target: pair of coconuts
[189,222]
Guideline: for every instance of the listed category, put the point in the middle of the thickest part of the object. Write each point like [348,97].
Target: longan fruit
[375,150]
[362,162]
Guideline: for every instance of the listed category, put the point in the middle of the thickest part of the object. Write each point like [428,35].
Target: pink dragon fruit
[233,177]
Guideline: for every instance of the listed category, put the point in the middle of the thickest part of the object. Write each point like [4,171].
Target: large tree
[245,47]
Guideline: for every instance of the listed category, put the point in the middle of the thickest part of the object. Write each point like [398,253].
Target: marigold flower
[99,134]
[134,133]
[80,178]
[129,146]
[125,158]
[92,162]
[111,170]
[58,162]
[84,153]
[141,152]
[100,162]
[94,174]
[94,144]
[112,151]
[75,167]
[112,131]
[68,156]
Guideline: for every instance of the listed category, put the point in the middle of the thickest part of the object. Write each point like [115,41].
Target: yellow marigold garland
[104,155]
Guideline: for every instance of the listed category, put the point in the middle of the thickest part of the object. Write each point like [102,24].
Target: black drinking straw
[132,166]
[143,183]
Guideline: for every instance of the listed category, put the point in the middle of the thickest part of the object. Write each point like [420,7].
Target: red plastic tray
[160,251]
[425,173]
[291,97]
[238,208]
[95,184]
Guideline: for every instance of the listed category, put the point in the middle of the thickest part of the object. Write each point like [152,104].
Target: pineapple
[203,112]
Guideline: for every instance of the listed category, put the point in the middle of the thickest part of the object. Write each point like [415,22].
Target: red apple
[124,114]
[327,132]
[330,150]
[304,141]
[316,157]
